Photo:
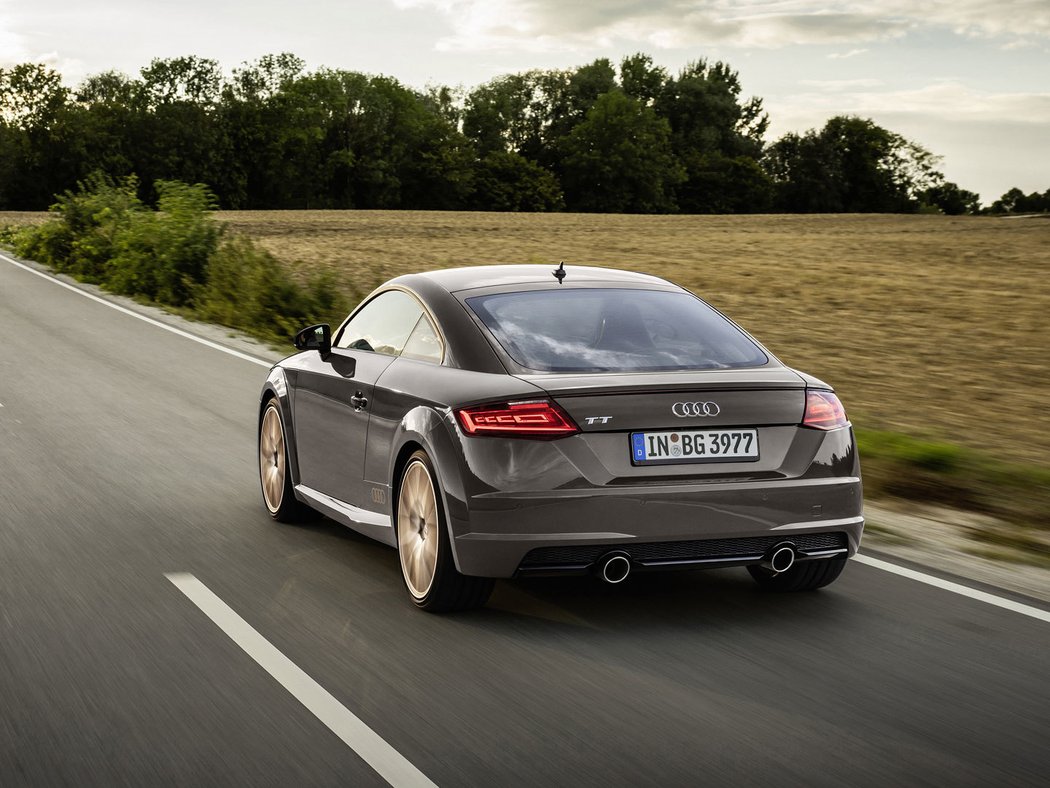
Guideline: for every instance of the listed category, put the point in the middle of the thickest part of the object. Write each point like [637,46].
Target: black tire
[275,480]
[428,569]
[802,576]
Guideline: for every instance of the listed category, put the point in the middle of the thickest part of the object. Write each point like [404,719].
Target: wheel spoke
[275,429]
[430,547]
[415,570]
[417,489]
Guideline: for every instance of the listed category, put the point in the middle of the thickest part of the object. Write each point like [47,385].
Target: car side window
[383,325]
[423,344]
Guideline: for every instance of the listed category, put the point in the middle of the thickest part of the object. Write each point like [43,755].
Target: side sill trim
[343,512]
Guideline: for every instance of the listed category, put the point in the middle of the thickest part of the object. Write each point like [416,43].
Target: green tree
[507,181]
[950,199]
[714,133]
[33,135]
[1016,201]
[719,184]
[706,113]
[113,111]
[806,174]
[852,165]
[263,79]
[31,95]
[619,159]
[641,80]
[505,114]
[179,137]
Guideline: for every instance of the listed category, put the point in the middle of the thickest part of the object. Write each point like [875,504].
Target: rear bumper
[504,527]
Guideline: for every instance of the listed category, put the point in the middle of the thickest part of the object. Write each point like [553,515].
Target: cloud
[16,48]
[12,44]
[949,100]
[841,84]
[546,25]
[844,55]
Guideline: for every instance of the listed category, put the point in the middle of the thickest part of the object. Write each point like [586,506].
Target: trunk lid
[609,409]
[647,401]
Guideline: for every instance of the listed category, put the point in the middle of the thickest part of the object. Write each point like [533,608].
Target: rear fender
[430,429]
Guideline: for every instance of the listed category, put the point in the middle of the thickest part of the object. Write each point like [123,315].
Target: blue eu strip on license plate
[650,448]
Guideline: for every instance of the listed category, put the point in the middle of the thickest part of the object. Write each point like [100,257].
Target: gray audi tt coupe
[502,421]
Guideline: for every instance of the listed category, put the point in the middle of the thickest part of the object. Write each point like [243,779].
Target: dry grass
[22,218]
[929,325]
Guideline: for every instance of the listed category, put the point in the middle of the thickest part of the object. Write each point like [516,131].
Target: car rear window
[613,330]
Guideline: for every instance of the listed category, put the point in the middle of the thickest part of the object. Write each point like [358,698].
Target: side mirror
[315,338]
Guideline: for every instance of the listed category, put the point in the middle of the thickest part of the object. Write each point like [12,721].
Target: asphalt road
[128,452]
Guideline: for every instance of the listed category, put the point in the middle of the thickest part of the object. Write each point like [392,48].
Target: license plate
[649,448]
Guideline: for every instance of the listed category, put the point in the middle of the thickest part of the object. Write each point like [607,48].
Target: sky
[967,79]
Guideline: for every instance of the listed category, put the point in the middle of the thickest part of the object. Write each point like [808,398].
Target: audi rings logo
[684,410]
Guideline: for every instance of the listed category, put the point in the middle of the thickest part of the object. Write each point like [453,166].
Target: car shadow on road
[665,600]
[647,601]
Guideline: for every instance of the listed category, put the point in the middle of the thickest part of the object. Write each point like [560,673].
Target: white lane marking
[955,588]
[388,762]
[150,320]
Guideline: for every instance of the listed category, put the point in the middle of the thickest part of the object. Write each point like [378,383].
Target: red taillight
[824,411]
[533,419]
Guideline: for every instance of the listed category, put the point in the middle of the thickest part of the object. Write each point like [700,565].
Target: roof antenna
[559,272]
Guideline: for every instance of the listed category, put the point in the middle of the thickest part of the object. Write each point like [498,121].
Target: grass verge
[907,467]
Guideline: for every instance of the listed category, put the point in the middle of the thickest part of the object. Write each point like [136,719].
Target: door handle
[359,401]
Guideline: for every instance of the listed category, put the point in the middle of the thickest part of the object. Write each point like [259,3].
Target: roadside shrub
[88,222]
[176,256]
[163,255]
[247,288]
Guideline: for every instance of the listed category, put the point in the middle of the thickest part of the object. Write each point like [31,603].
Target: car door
[334,396]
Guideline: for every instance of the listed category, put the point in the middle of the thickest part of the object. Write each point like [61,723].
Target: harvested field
[929,325]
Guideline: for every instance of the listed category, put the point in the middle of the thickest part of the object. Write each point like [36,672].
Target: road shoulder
[938,538]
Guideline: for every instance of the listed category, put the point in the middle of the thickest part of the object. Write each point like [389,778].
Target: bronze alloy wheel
[274,476]
[272,459]
[417,528]
[425,550]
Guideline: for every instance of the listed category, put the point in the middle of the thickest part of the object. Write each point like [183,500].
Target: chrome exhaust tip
[780,559]
[613,568]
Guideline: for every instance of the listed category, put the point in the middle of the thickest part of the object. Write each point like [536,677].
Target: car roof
[469,278]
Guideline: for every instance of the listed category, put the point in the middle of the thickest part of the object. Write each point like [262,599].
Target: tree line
[627,138]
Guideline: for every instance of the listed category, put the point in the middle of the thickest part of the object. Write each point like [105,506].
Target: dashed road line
[369,745]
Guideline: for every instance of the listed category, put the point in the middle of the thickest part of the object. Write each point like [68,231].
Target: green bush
[176,256]
[164,254]
[88,223]
[248,289]
[103,233]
